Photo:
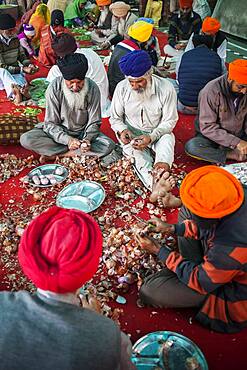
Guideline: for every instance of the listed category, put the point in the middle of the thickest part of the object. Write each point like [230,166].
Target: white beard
[75,100]
[144,94]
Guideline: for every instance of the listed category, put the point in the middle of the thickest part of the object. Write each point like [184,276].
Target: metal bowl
[167,350]
[48,169]
[85,195]
[239,170]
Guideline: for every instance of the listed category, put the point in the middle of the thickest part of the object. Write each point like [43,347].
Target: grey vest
[37,334]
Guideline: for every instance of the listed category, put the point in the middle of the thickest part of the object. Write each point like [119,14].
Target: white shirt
[156,116]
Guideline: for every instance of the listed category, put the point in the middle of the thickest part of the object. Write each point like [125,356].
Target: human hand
[157,225]
[147,243]
[28,70]
[74,143]
[179,46]
[85,145]
[125,136]
[90,302]
[105,45]
[242,147]
[141,142]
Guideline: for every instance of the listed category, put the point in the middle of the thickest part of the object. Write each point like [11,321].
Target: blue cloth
[148,20]
[136,63]
[198,66]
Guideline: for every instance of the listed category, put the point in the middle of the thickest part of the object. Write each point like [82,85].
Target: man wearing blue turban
[143,116]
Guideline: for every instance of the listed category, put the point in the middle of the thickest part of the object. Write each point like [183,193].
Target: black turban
[64,44]
[73,66]
[57,18]
[7,22]
[203,40]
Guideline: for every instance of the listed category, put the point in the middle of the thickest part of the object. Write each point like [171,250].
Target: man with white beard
[143,116]
[73,115]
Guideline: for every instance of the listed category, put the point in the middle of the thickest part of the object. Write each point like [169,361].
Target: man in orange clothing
[209,271]
[221,125]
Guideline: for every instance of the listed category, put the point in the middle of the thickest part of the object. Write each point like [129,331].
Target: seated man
[198,66]
[107,23]
[12,79]
[50,327]
[209,271]
[211,27]
[221,125]
[66,44]
[143,115]
[124,17]
[182,24]
[138,35]
[73,116]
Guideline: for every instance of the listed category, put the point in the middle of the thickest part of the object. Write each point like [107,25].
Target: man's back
[198,66]
[41,334]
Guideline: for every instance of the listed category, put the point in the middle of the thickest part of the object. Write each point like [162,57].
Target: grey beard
[75,100]
[143,94]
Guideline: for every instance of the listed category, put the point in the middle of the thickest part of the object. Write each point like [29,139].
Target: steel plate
[48,169]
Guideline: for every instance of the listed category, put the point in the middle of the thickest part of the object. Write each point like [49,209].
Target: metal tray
[239,170]
[167,350]
[48,169]
[85,195]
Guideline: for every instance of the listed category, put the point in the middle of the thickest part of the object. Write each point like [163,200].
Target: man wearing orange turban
[182,24]
[211,26]
[59,252]
[106,23]
[221,125]
[209,271]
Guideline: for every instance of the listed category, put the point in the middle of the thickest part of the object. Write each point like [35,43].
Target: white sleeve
[169,115]
[117,111]
[190,44]
[221,51]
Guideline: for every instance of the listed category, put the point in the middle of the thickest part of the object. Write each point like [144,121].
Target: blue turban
[135,64]
[147,20]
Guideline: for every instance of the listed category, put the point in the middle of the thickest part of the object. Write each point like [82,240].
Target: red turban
[185,3]
[210,25]
[238,71]
[60,249]
[211,192]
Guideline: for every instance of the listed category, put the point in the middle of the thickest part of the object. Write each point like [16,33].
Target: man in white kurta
[66,44]
[143,116]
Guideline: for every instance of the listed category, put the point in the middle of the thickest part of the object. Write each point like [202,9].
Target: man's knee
[192,146]
[26,140]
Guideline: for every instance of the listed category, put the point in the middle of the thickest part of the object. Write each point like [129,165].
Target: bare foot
[25,92]
[16,91]
[236,155]
[45,158]
[170,201]
[164,185]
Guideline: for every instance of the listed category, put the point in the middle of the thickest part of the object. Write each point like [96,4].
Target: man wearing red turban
[221,125]
[209,271]
[183,23]
[59,252]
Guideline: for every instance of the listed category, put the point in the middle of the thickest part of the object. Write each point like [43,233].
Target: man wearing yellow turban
[209,271]
[221,125]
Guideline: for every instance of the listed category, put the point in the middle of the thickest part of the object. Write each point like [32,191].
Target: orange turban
[185,3]
[211,192]
[103,2]
[238,71]
[210,25]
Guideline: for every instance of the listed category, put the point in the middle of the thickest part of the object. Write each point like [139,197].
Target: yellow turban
[140,31]
[238,71]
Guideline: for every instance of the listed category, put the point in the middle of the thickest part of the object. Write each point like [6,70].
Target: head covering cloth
[64,44]
[238,71]
[73,67]
[185,3]
[42,11]
[73,10]
[7,22]
[60,249]
[135,64]
[57,18]
[119,9]
[211,192]
[103,2]
[210,25]
[28,29]
[140,31]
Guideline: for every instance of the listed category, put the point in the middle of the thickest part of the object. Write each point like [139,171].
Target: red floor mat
[222,351]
